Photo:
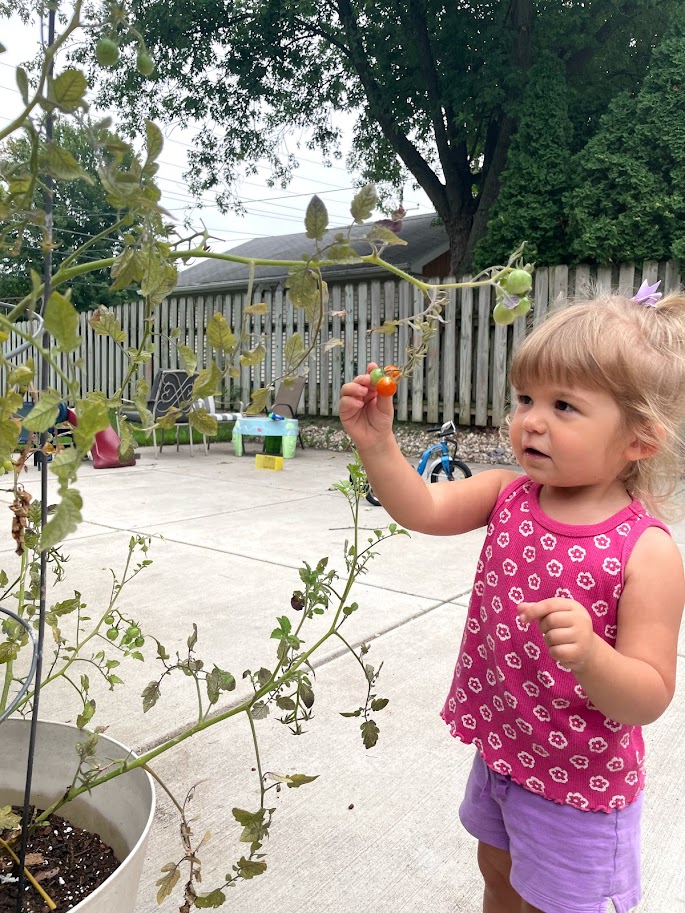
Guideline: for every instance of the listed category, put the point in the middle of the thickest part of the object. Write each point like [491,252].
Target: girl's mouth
[534,454]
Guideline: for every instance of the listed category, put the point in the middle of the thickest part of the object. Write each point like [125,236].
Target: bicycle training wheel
[458,471]
[368,494]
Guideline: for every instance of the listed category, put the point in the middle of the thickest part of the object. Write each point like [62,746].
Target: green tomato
[145,63]
[139,641]
[517,282]
[376,375]
[112,634]
[107,52]
[503,315]
[522,307]
[8,466]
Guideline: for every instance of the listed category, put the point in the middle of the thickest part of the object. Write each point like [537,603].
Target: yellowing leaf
[364,203]
[316,218]
[68,90]
[61,321]
[219,335]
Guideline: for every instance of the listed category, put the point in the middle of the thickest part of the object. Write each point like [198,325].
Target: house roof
[425,241]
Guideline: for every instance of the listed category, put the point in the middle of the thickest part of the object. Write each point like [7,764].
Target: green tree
[435,87]
[628,202]
[530,204]
[81,212]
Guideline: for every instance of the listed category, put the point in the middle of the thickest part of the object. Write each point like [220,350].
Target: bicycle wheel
[368,494]
[458,470]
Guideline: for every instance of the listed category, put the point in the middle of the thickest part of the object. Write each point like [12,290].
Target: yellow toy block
[264,461]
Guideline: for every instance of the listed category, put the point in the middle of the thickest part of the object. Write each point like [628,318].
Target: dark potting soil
[67,862]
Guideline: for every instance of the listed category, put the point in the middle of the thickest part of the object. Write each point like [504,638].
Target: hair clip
[647,294]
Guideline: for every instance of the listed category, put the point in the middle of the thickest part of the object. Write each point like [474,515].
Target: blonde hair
[637,355]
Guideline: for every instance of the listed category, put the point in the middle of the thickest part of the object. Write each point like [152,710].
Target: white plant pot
[120,811]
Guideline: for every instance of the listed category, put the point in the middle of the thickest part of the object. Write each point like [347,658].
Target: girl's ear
[647,441]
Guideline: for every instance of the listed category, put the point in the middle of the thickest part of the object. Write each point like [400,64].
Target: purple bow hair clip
[647,294]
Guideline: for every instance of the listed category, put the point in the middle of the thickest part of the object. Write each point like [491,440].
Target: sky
[270,211]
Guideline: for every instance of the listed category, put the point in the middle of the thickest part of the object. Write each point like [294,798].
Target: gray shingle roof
[425,241]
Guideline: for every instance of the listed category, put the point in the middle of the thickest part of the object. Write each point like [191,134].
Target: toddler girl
[570,640]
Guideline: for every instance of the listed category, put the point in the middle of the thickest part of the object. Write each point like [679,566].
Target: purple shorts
[563,860]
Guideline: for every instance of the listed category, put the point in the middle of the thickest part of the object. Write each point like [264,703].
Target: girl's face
[570,437]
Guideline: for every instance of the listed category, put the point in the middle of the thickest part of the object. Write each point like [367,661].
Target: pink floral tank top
[526,713]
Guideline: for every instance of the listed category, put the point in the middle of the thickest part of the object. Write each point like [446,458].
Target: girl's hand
[566,628]
[365,416]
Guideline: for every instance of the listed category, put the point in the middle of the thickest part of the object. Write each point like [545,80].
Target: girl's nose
[533,420]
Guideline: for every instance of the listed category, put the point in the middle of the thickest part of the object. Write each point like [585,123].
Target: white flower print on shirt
[473,625]
[485,712]
[468,722]
[576,553]
[578,690]
[529,553]
[511,700]
[586,580]
[513,660]
[600,607]
[503,631]
[615,764]
[475,685]
[563,593]
[531,689]
[554,568]
[611,566]
[534,582]
[597,745]
[599,784]
[602,541]
[521,624]
[498,703]
[526,528]
[492,578]
[509,731]
[490,678]
[557,739]
[531,650]
[560,703]
[613,725]
[480,566]
[466,660]
[526,759]
[625,740]
[548,542]
[500,674]
[535,785]
[580,762]
[502,767]
[516,595]
[505,515]
[490,642]
[482,651]
[479,587]
[503,540]
[623,529]
[577,723]
[524,726]
[617,591]
[494,741]
[617,802]
[525,507]
[538,749]
[497,604]
[558,774]
[509,567]
[576,800]
[545,678]
[610,632]
[542,713]
[488,552]
[631,778]
[461,695]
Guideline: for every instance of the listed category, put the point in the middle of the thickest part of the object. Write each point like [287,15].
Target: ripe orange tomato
[386,386]
[392,371]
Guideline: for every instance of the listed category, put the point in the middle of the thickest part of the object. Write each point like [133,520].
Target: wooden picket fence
[463,376]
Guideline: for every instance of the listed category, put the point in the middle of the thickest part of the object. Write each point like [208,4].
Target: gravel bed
[476,445]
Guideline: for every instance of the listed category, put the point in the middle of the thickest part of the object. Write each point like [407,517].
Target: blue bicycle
[445,467]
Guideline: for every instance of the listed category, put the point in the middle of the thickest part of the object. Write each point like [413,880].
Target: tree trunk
[458,233]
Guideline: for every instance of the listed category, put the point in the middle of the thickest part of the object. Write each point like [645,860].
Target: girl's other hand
[566,629]
[365,416]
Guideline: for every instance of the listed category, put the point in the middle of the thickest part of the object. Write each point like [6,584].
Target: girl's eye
[524,400]
[563,406]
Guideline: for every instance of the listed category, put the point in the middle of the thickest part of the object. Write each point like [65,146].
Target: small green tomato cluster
[107,55]
[512,291]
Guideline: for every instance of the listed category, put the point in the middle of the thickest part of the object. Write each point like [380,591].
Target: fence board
[499,374]
[336,353]
[483,354]
[465,355]
[402,396]
[449,354]
[417,376]
[541,296]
